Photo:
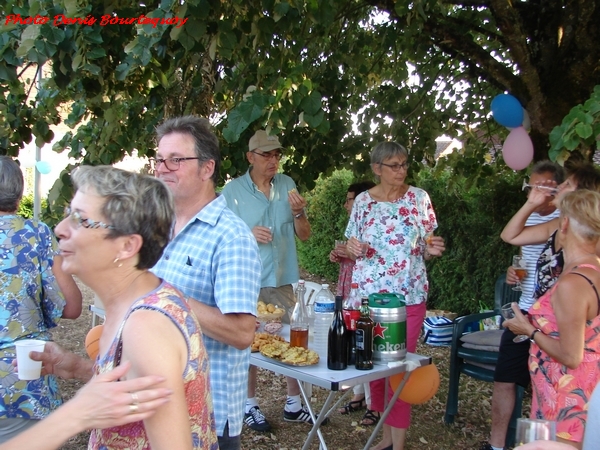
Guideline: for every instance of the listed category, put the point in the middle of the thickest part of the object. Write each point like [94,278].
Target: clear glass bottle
[299,321]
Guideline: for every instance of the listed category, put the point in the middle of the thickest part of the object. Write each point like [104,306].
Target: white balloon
[526,120]
[43,167]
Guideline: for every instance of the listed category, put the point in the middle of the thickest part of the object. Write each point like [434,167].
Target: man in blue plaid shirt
[213,258]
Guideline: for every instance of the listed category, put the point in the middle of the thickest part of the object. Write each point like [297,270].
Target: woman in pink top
[564,324]
[338,254]
[361,397]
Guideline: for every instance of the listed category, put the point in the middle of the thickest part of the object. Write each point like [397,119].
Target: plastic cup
[531,430]
[28,369]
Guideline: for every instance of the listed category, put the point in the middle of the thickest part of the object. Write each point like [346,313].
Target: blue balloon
[507,111]
[43,167]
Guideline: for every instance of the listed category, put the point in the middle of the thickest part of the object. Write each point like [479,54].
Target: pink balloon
[517,149]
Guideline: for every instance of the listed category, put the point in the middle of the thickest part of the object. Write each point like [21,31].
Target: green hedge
[470,219]
[26,207]
[328,219]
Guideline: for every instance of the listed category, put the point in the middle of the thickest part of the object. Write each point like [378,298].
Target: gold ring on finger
[134,398]
[133,408]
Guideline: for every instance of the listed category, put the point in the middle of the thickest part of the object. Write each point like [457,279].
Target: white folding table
[334,380]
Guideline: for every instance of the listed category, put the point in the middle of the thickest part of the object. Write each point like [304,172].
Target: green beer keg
[388,312]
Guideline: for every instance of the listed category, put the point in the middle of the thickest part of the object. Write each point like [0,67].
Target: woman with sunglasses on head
[395,222]
[115,229]
[564,323]
[35,295]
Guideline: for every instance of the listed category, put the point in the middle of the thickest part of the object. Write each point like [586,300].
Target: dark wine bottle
[337,345]
[351,311]
[364,338]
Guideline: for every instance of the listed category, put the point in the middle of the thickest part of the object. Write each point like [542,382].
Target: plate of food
[261,339]
[286,354]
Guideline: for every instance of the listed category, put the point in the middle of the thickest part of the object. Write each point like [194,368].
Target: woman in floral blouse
[392,221]
[34,295]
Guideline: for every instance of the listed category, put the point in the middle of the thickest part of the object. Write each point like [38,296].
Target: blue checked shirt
[214,259]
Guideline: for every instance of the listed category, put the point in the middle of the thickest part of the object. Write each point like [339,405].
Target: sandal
[370,418]
[353,406]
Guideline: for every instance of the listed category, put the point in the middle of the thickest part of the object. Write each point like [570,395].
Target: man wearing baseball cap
[274,210]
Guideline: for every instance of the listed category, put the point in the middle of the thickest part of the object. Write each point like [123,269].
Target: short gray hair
[386,150]
[134,204]
[206,143]
[558,173]
[11,184]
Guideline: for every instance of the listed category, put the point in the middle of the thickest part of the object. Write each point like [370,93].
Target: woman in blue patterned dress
[34,295]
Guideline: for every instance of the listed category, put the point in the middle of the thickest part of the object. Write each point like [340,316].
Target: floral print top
[168,301]
[395,232]
[560,393]
[548,267]
[30,304]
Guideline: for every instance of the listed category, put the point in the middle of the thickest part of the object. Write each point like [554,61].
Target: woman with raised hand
[550,262]
[362,396]
[35,295]
[564,324]
[115,229]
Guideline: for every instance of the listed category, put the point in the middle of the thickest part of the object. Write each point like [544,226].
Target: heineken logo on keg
[389,337]
[379,330]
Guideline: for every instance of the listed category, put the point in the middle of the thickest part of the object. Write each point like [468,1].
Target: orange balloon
[421,386]
[92,341]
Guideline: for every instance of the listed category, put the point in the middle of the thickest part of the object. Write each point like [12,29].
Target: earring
[116,261]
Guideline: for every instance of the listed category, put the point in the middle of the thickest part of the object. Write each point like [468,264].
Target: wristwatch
[531,338]
[300,214]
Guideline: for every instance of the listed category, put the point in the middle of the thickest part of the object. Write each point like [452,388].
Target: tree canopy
[332,77]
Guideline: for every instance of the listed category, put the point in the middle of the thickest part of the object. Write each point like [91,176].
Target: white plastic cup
[531,430]
[27,368]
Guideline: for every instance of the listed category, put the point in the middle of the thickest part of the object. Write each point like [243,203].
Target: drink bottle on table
[337,345]
[299,321]
[364,338]
[323,309]
[351,315]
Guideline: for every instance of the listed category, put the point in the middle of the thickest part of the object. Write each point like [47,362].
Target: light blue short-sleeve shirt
[214,259]
[279,258]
